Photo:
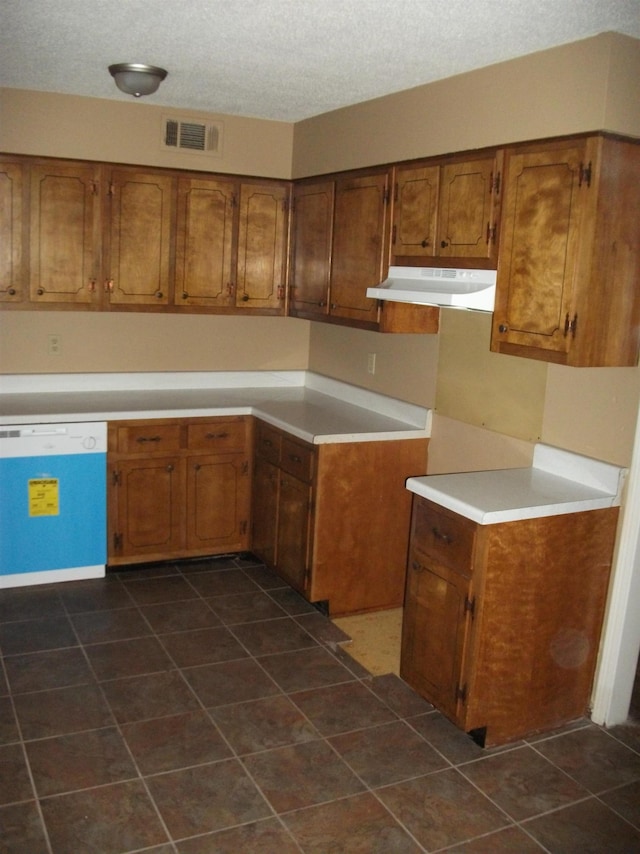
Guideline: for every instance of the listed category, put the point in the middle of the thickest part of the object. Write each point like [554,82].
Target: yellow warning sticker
[44,497]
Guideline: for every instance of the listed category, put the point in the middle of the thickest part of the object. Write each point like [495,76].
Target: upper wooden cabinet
[143,239]
[140,250]
[312,233]
[447,212]
[12,261]
[64,233]
[569,263]
[262,246]
[340,246]
[205,244]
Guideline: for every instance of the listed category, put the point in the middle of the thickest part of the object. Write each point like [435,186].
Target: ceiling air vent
[192,135]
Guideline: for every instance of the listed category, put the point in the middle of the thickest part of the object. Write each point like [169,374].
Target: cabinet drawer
[268,442]
[217,436]
[442,537]
[297,459]
[146,438]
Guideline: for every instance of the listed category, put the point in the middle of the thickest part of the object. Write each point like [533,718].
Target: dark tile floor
[205,707]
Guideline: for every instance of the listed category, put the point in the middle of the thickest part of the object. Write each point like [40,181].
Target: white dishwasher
[53,502]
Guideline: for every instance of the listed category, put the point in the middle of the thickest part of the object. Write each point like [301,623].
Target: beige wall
[586,85]
[55,125]
[108,342]
[406,365]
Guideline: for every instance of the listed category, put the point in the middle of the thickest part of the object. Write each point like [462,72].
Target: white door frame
[620,646]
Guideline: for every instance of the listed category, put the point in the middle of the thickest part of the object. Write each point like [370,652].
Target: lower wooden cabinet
[502,622]
[333,519]
[178,488]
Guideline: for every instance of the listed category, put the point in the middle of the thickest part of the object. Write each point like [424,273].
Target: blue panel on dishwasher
[67,532]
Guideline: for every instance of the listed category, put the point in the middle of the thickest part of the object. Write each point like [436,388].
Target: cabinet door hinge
[491,233]
[585,175]
[285,205]
[495,184]
[115,478]
[461,692]
[570,326]
[111,191]
[117,541]
[386,196]
[470,606]
[244,469]
[394,232]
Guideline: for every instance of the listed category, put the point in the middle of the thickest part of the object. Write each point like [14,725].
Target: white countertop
[558,482]
[311,407]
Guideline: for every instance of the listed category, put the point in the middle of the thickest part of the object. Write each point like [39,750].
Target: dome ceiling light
[137,79]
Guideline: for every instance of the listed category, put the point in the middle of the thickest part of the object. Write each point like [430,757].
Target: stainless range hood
[475,289]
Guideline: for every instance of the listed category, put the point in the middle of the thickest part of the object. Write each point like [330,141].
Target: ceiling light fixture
[137,79]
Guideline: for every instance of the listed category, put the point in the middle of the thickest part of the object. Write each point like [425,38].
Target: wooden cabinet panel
[217,502]
[294,541]
[148,437]
[570,253]
[360,245]
[466,216]
[150,519]
[434,631]
[64,234]
[262,246]
[264,513]
[415,211]
[312,231]
[508,648]
[140,238]
[205,242]
[443,537]
[218,436]
[13,242]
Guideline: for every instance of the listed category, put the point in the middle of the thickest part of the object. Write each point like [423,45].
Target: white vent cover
[192,135]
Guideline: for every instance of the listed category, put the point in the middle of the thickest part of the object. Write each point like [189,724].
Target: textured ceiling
[283,59]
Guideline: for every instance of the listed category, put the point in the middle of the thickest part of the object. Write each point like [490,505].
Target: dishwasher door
[53,502]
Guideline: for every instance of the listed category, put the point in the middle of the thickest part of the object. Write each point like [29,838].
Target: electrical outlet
[54,345]
[371,363]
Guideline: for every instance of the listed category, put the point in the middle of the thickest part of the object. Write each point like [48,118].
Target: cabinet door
[217,502]
[544,197]
[415,211]
[434,632]
[360,245]
[266,482]
[262,246]
[65,234]
[311,258]
[140,250]
[467,223]
[204,242]
[12,230]
[149,508]
[293,549]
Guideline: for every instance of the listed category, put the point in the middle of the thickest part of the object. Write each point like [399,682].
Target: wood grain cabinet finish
[311,246]
[206,235]
[333,519]
[178,488]
[340,247]
[263,246]
[65,217]
[13,238]
[446,213]
[88,235]
[502,622]
[569,268]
